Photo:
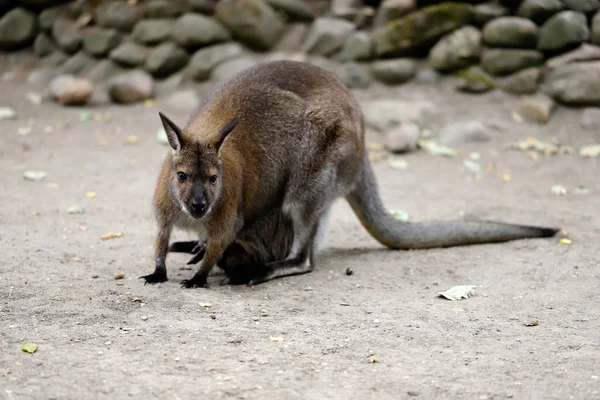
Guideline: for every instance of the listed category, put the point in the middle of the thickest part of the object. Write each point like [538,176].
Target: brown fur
[284,139]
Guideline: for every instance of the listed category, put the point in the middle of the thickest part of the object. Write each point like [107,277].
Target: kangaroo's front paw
[194,283]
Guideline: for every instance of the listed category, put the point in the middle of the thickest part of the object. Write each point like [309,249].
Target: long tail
[367,204]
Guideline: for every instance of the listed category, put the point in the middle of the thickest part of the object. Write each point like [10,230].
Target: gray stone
[354,75]
[169,85]
[182,101]
[420,28]
[327,35]
[18,28]
[75,64]
[596,29]
[462,132]
[565,29]
[205,60]
[43,45]
[55,59]
[584,6]
[165,8]
[590,119]
[118,15]
[427,76]
[152,31]
[203,6]
[103,71]
[394,71]
[474,80]
[230,68]
[486,12]
[456,50]
[510,32]
[522,82]
[196,30]
[292,38]
[537,108]
[507,61]
[46,18]
[66,35]
[323,62]
[129,54]
[165,59]
[390,10]
[403,138]
[100,41]
[585,52]
[385,114]
[575,84]
[357,46]
[540,10]
[71,91]
[253,22]
[295,10]
[347,9]
[131,87]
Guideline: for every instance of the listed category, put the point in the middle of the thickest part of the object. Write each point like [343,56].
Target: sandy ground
[103,338]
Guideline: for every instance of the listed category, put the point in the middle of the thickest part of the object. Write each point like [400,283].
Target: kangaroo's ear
[174,133]
[224,131]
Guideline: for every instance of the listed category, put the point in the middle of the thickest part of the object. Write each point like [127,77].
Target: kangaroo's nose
[198,205]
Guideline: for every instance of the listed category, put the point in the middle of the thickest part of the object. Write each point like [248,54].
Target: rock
[510,32]
[575,84]
[183,101]
[565,29]
[386,114]
[484,13]
[326,36]
[590,119]
[596,29]
[169,85]
[420,28]
[584,6]
[292,38]
[394,71]
[18,28]
[75,64]
[205,60]
[456,50]
[357,46]
[464,132]
[474,80]
[390,10]
[232,67]
[46,18]
[403,138]
[323,63]
[66,35]
[100,41]
[131,87]
[43,45]
[427,76]
[196,30]
[585,52]
[103,71]
[295,10]
[165,59]
[354,75]
[522,82]
[129,54]
[118,15]
[203,6]
[55,59]
[539,10]
[152,31]
[507,61]
[165,8]
[347,9]
[71,91]
[253,22]
[536,108]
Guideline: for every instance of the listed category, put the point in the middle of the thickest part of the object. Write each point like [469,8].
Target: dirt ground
[103,338]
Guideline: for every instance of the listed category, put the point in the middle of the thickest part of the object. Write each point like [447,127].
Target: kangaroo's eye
[181,177]
[213,179]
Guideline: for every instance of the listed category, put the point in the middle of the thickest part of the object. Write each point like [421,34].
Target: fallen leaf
[475,156]
[29,348]
[83,228]
[472,166]
[161,136]
[7,113]
[375,146]
[458,292]
[205,305]
[149,102]
[34,98]
[119,275]
[532,322]
[83,20]
[565,241]
[76,259]
[559,190]
[53,185]
[373,359]
[131,140]
[398,163]
[276,339]
[111,235]
[437,150]
[85,116]
[506,177]
[590,151]
[24,130]
[35,176]
[90,195]
[76,209]
[400,215]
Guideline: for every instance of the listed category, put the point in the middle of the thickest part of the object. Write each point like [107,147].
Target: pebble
[590,120]
[464,132]
[404,138]
[537,108]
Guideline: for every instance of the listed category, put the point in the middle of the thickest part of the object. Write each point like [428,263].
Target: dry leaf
[149,102]
[83,228]
[119,275]
[590,151]
[85,116]
[111,235]
[458,292]
[506,177]
[375,146]
[276,339]
[76,209]
[565,241]
[205,305]
[398,163]
[35,176]
[24,131]
[559,190]
[131,140]
[29,348]
[90,195]
[53,185]
[76,259]
[437,150]
[472,166]
[34,98]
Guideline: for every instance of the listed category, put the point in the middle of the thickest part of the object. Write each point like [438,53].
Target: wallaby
[257,168]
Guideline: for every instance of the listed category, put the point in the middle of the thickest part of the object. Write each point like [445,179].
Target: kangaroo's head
[196,174]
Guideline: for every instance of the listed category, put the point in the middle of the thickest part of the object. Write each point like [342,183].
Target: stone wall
[518,46]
